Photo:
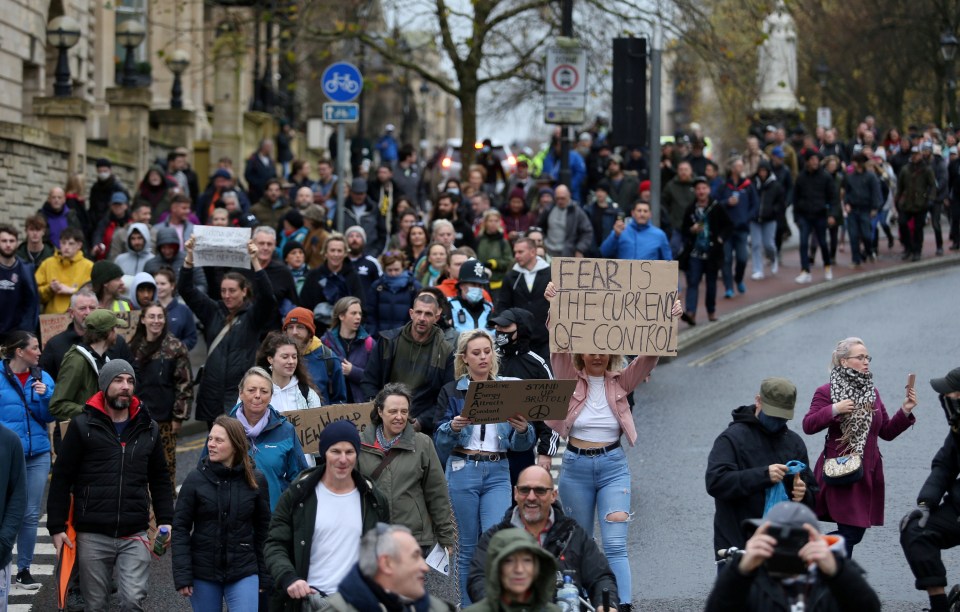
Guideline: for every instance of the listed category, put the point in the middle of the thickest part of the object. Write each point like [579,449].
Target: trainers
[26,581]
[939,251]
[804,278]
[775,266]
[75,601]
[741,287]
[728,294]
[827,273]
[757,276]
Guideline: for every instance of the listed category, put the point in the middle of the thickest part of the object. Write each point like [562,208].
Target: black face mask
[951,409]
[505,341]
[771,424]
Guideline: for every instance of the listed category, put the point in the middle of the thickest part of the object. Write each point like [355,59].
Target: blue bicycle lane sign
[341,82]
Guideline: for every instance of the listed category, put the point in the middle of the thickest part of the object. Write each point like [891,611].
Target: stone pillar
[175,125]
[128,125]
[228,101]
[66,117]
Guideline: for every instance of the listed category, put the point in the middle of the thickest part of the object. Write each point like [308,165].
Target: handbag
[843,470]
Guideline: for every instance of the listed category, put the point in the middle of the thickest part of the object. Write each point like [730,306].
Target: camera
[786,559]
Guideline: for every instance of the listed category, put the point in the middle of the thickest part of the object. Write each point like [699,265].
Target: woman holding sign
[274,445]
[595,477]
[478,473]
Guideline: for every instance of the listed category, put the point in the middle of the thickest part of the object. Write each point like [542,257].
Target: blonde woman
[478,473]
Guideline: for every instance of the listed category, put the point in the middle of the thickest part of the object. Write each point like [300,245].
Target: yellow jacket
[74,272]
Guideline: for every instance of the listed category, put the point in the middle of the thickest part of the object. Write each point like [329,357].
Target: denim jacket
[450,404]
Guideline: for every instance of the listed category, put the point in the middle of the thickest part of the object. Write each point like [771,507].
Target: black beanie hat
[340,431]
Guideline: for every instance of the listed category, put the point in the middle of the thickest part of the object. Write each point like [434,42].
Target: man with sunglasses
[539,512]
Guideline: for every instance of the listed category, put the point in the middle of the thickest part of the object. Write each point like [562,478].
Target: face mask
[453,190]
[951,409]
[103,175]
[771,424]
[504,339]
[474,294]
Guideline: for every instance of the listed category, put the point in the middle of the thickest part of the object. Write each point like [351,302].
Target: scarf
[847,383]
[253,431]
[397,283]
[382,439]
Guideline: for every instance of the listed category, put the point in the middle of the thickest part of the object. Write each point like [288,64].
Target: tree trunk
[468,117]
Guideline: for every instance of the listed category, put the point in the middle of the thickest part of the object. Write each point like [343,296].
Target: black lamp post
[130,34]
[424,90]
[948,49]
[63,32]
[177,62]
[823,72]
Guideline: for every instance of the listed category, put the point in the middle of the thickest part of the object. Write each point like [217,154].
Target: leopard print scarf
[847,383]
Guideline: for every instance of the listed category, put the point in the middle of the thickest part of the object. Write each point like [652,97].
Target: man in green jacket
[315,531]
[77,379]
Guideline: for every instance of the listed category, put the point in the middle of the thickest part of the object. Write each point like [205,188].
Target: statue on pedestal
[777,72]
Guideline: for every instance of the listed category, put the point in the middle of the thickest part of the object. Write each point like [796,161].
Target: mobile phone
[911,380]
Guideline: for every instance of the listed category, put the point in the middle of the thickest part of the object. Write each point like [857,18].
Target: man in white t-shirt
[315,532]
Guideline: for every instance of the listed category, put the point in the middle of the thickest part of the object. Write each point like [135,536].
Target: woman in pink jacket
[595,474]
[850,409]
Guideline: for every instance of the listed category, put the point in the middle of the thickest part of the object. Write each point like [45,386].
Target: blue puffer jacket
[25,412]
[637,242]
[450,404]
[277,453]
[390,307]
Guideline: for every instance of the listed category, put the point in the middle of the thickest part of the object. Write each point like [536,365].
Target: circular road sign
[341,82]
[565,77]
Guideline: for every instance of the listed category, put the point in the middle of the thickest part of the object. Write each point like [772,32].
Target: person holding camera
[935,523]
[788,565]
[750,456]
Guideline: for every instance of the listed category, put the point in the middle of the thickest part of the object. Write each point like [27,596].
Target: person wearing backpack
[321,363]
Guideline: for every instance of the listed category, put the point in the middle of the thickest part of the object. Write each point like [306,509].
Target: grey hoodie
[133,262]
[142,278]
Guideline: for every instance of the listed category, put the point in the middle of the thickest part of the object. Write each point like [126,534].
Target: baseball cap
[778,396]
[947,384]
[510,316]
[102,320]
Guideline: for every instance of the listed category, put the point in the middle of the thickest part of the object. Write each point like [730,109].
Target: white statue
[777,73]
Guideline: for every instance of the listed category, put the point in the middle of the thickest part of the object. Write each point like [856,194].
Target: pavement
[778,292]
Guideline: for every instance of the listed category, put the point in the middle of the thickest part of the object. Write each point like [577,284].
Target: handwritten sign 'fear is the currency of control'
[495,401]
[614,307]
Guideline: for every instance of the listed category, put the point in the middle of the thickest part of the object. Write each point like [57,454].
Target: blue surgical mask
[771,424]
[474,294]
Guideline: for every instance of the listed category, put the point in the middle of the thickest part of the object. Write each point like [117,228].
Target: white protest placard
[221,246]
[495,401]
[614,306]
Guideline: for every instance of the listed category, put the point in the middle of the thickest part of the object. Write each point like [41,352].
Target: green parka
[543,589]
[414,485]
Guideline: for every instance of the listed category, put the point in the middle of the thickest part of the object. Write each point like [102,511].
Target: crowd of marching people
[424,293]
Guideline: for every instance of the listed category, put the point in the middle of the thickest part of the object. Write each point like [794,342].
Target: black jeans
[851,536]
[912,240]
[922,546]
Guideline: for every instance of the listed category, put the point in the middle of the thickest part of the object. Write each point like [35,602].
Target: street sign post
[341,112]
[566,87]
[341,83]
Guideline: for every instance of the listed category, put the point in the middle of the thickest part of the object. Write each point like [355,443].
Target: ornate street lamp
[177,62]
[130,34]
[823,73]
[62,33]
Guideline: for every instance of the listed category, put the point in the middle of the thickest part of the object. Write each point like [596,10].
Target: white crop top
[596,422]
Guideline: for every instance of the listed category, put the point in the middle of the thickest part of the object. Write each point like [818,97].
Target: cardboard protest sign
[221,246]
[311,421]
[614,306]
[51,325]
[495,401]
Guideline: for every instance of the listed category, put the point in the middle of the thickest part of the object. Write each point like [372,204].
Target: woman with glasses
[850,409]
[478,472]
[595,475]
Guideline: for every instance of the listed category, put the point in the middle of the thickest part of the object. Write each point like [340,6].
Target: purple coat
[859,504]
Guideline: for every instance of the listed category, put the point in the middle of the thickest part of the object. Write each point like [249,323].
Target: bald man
[539,512]
[567,229]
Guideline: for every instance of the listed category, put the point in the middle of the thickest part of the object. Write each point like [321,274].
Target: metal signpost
[341,83]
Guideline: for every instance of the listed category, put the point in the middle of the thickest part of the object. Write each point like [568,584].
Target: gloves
[921,512]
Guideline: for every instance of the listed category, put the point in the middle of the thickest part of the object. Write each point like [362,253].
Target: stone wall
[32,161]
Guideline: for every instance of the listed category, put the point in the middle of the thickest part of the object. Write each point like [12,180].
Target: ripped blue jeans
[594,487]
